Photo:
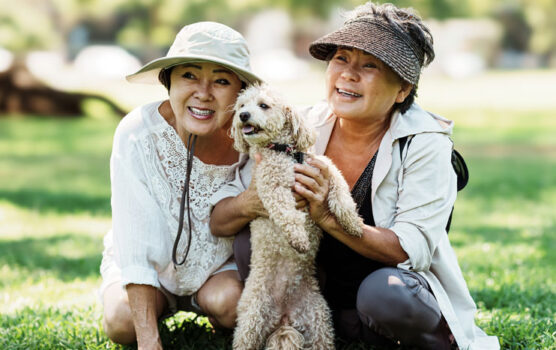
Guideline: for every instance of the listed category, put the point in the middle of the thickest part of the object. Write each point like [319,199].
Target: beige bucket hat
[198,42]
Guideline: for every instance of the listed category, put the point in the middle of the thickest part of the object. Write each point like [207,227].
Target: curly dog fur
[281,306]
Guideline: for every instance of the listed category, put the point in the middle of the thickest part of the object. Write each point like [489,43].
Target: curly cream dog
[281,303]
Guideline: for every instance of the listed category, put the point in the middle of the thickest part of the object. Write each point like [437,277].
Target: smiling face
[362,87]
[202,95]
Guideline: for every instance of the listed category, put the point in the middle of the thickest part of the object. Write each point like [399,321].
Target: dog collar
[289,150]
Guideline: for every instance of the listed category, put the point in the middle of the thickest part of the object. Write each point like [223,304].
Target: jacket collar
[417,121]
[414,121]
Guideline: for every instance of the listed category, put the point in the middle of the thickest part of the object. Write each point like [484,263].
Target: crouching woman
[155,262]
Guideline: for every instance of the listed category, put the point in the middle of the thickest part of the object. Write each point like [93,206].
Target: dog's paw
[345,211]
[353,225]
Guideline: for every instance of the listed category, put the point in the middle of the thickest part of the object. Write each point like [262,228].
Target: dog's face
[261,118]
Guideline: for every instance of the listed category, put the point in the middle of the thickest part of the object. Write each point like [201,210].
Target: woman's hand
[312,183]
[143,306]
[231,214]
[252,201]
[250,198]
[300,201]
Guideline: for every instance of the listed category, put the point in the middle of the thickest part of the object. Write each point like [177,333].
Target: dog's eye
[241,106]
[264,106]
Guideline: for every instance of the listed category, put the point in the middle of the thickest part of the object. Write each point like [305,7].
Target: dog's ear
[304,136]
[239,144]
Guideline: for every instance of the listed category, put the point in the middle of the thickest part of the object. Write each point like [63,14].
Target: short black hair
[409,99]
[164,77]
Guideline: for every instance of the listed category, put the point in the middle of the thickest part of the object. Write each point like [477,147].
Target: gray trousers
[393,305]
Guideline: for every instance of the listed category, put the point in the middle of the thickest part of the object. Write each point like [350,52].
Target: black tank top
[344,268]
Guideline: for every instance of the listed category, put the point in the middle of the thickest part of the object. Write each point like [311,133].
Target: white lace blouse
[147,171]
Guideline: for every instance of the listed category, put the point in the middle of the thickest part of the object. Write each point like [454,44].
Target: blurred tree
[44,24]
[517,31]
[25,26]
[541,16]
[149,26]
[535,18]
[47,24]
[22,93]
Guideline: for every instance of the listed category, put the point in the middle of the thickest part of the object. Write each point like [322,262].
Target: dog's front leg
[274,183]
[340,202]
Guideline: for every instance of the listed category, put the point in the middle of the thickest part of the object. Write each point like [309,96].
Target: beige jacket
[412,196]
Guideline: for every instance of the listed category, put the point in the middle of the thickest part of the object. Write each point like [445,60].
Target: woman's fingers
[313,178]
[309,195]
[317,163]
[252,201]
[314,195]
[311,172]
[300,201]
[309,182]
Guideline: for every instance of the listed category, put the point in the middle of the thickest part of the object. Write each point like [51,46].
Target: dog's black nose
[244,116]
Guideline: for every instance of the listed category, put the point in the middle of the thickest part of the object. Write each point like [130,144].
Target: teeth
[201,111]
[349,93]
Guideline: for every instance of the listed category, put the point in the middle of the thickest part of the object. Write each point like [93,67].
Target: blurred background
[88,46]
[63,92]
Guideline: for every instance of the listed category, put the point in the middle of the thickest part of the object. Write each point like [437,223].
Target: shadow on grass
[47,201]
[67,256]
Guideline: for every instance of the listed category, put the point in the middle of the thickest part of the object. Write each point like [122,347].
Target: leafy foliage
[146,25]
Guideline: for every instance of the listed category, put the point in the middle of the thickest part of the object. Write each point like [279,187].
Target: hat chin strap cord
[185,197]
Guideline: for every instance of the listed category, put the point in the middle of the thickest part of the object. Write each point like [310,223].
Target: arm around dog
[231,214]
[381,244]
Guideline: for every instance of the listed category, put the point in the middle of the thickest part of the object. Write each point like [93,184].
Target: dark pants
[392,305]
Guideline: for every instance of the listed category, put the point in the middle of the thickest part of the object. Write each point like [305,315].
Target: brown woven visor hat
[378,38]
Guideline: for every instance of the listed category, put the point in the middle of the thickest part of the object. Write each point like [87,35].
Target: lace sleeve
[136,218]
[240,182]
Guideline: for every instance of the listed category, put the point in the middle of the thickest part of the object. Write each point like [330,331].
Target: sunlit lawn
[55,209]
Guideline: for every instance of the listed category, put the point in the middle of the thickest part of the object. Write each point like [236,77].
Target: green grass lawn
[55,209]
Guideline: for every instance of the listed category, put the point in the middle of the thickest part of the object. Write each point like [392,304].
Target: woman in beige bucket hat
[168,158]
[400,282]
